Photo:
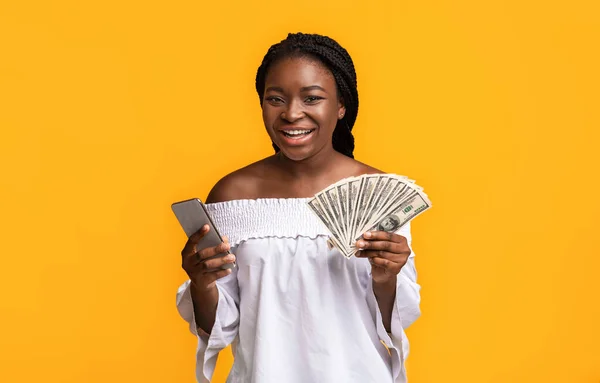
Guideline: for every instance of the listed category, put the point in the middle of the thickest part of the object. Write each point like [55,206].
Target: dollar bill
[379,197]
[326,208]
[374,189]
[396,196]
[316,207]
[365,194]
[354,193]
[406,193]
[342,192]
[333,206]
[408,210]
[355,205]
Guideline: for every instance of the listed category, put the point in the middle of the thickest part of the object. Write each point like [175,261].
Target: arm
[205,306]
[393,299]
[209,302]
[223,328]
[385,293]
[204,273]
[203,290]
[394,276]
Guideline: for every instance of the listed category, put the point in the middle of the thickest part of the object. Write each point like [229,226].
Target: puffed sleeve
[406,310]
[224,330]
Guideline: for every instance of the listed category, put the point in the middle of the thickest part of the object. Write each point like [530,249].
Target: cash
[355,205]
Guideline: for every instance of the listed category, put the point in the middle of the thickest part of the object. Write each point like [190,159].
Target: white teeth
[296,132]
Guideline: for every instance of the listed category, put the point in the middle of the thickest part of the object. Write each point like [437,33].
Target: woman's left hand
[387,252]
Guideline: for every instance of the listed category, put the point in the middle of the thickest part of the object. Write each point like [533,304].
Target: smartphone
[192,215]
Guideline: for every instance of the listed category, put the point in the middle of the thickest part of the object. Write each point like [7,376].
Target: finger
[191,260]
[401,258]
[222,273]
[225,239]
[197,236]
[383,236]
[388,246]
[212,251]
[214,264]
[386,264]
[377,253]
[190,246]
[217,274]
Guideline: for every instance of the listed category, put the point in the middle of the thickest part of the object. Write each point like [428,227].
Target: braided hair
[335,58]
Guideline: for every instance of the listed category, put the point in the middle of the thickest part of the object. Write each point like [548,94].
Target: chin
[295,154]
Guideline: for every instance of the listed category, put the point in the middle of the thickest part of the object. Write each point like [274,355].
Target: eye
[313,99]
[274,100]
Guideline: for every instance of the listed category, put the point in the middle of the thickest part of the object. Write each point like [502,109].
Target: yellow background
[110,111]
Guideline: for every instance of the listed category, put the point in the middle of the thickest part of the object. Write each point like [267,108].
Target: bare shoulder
[228,188]
[361,168]
[240,184]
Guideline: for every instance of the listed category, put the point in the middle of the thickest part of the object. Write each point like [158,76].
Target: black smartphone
[192,215]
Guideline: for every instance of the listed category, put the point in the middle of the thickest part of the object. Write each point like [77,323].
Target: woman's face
[300,107]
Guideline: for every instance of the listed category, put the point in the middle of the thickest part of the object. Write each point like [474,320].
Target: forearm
[205,306]
[385,294]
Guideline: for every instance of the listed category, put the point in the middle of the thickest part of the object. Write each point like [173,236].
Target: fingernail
[205,227]
[229,257]
[360,244]
[367,234]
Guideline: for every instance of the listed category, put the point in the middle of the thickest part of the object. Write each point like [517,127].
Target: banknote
[354,187]
[393,221]
[316,208]
[354,205]
[364,196]
[342,199]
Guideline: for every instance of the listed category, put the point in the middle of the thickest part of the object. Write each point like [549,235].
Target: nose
[293,112]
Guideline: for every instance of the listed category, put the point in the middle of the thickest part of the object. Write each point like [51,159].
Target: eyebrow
[303,89]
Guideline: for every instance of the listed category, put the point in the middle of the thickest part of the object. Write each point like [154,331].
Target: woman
[294,309]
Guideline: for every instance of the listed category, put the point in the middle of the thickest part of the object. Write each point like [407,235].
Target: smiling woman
[324,77]
[301,118]
[295,310]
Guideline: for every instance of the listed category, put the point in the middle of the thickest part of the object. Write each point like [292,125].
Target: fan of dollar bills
[355,205]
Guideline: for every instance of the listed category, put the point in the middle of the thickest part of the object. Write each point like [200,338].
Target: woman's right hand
[203,272]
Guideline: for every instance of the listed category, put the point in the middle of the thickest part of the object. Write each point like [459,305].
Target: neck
[319,165]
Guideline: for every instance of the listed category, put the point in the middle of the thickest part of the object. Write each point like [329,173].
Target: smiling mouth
[297,133]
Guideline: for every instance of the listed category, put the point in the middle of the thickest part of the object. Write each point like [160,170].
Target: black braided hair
[337,60]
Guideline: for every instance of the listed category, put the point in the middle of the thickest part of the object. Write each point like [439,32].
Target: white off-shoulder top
[296,311]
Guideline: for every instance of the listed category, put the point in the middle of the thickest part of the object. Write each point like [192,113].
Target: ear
[341,109]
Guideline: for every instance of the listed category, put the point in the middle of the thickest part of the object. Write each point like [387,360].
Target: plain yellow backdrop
[110,111]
